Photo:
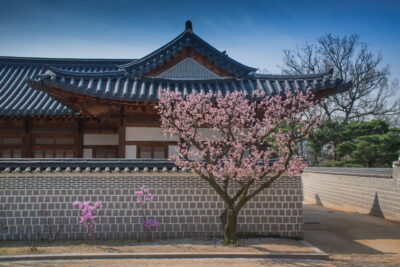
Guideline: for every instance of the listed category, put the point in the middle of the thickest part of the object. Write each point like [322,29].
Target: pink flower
[151,224]
[87,213]
[246,135]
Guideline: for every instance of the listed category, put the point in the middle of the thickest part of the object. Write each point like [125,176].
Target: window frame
[12,147]
[97,148]
[54,146]
[152,145]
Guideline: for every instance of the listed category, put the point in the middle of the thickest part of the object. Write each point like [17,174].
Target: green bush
[339,164]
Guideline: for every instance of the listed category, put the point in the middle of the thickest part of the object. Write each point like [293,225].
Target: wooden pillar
[79,138]
[121,134]
[27,140]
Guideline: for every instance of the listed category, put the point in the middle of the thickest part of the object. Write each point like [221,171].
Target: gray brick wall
[368,191]
[184,204]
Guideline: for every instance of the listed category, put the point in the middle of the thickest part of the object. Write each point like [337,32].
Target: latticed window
[152,151]
[53,146]
[11,147]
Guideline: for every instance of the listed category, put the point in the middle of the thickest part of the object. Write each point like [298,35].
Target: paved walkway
[352,240]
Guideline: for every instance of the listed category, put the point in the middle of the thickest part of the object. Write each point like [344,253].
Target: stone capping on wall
[87,166]
[385,173]
[61,165]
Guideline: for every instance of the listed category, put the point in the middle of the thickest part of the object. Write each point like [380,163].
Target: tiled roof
[186,39]
[118,86]
[18,98]
[87,166]
[123,80]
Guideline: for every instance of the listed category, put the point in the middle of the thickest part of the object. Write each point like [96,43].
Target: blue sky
[252,32]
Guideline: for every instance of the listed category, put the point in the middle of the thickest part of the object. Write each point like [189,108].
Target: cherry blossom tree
[253,141]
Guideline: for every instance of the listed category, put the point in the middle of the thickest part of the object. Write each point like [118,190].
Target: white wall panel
[156,134]
[172,150]
[146,134]
[100,139]
[130,152]
[88,153]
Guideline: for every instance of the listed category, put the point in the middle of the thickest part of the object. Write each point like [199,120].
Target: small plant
[49,233]
[88,217]
[33,244]
[143,195]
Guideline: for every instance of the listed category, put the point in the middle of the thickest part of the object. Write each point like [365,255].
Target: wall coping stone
[88,166]
[386,173]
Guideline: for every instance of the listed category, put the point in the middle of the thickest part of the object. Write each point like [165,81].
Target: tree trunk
[229,223]
[315,160]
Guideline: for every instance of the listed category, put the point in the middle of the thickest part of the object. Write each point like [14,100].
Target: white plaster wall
[156,134]
[172,150]
[130,152]
[100,139]
[88,153]
[146,134]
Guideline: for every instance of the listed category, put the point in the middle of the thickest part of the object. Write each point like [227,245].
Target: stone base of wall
[368,191]
[184,205]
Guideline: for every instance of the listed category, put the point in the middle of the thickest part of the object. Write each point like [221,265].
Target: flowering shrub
[88,215]
[151,224]
[143,196]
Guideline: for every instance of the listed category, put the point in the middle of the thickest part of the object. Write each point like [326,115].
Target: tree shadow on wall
[318,200]
[376,207]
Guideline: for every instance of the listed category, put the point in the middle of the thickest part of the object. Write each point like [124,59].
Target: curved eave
[123,89]
[337,89]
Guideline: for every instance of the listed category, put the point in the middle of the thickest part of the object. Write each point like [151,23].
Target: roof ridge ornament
[188,26]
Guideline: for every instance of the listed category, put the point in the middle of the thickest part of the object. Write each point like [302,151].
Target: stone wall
[184,204]
[364,190]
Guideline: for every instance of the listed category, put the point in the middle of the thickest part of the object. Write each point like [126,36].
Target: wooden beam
[121,133]
[79,138]
[27,151]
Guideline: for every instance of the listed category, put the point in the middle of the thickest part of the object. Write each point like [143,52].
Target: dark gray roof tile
[86,165]
[17,98]
[119,86]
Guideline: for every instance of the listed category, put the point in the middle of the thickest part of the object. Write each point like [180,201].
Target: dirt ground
[169,262]
[252,245]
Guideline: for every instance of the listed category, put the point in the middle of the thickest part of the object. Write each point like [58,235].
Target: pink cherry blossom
[253,142]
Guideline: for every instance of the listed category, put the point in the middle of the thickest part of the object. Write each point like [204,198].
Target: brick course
[185,205]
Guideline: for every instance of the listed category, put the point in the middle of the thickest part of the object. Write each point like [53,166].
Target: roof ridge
[295,76]
[130,64]
[186,39]
[52,60]
[56,71]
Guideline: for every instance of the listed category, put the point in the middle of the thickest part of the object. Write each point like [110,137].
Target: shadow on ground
[338,232]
